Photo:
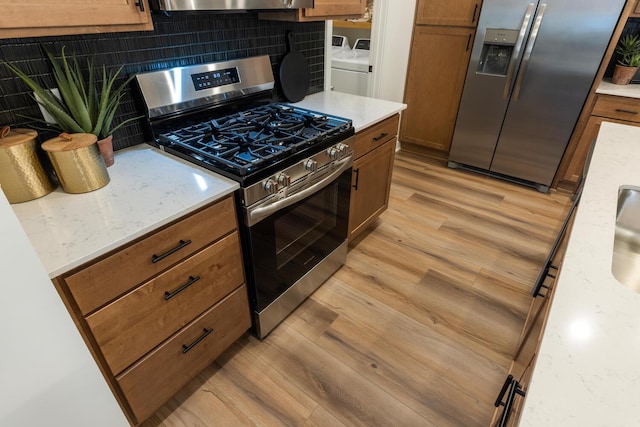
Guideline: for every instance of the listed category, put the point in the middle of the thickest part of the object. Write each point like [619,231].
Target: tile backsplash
[177,40]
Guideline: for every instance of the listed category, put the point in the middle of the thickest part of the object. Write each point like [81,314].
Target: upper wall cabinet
[33,18]
[321,11]
[459,13]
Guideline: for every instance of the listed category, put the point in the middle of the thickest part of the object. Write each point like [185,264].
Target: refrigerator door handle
[528,50]
[515,58]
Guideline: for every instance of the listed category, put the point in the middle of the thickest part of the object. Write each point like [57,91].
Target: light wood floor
[417,329]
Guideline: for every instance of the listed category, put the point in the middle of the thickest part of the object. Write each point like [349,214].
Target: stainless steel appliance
[531,68]
[202,5]
[293,166]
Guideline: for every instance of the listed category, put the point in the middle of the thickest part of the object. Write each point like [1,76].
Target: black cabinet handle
[155,258]
[140,5]
[469,41]
[503,390]
[168,295]
[475,10]
[515,389]
[620,110]
[205,332]
[382,135]
[357,172]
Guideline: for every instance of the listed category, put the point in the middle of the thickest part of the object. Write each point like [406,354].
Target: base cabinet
[510,400]
[615,109]
[435,78]
[374,154]
[157,311]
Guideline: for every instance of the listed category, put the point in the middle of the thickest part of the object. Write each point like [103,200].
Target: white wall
[390,43]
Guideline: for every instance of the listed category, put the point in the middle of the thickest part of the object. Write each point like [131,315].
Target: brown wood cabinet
[60,17]
[460,13]
[435,78]
[608,108]
[636,10]
[155,312]
[523,364]
[322,10]
[374,153]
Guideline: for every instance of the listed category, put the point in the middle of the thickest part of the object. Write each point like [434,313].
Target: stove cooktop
[251,143]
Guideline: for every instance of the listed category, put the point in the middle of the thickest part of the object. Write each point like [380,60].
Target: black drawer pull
[205,332]
[620,110]
[515,389]
[155,258]
[168,295]
[140,5]
[503,390]
[357,172]
[475,10]
[382,135]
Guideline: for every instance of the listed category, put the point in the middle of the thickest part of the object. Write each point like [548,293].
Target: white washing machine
[350,67]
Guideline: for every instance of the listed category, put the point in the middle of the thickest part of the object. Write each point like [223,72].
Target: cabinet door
[437,68]
[461,13]
[575,168]
[370,186]
[323,8]
[57,17]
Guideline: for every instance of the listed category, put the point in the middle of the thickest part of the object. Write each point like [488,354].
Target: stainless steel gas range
[293,166]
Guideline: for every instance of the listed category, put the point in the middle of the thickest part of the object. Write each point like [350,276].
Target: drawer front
[376,135]
[132,325]
[114,275]
[616,107]
[152,381]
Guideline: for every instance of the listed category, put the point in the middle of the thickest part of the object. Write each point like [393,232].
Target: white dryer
[350,67]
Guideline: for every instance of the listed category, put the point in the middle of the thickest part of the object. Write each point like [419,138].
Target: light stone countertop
[362,111]
[148,189]
[629,91]
[588,368]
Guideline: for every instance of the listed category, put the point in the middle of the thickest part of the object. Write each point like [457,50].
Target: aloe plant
[628,48]
[86,106]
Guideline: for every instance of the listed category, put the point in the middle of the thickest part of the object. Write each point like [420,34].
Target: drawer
[375,135]
[116,274]
[616,107]
[155,379]
[131,326]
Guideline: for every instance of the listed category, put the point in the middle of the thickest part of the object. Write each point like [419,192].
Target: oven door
[291,241]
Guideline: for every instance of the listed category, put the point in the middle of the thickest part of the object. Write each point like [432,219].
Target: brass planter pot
[22,176]
[77,162]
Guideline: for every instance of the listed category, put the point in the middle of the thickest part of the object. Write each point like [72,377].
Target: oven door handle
[258,214]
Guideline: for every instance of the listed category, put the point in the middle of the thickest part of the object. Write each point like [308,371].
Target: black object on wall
[177,40]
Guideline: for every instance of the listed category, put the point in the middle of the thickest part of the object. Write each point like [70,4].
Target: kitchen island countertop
[607,88]
[148,189]
[588,367]
[362,111]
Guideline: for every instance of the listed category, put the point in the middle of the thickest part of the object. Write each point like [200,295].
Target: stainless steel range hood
[203,5]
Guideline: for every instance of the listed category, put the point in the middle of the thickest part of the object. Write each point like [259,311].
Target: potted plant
[86,106]
[629,50]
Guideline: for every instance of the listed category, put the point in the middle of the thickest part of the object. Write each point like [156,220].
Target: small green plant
[86,106]
[628,48]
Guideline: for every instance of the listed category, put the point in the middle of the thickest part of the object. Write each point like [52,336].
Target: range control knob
[284,180]
[311,165]
[334,153]
[270,186]
[342,148]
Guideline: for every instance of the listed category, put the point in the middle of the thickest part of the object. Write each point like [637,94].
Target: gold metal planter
[77,162]
[22,176]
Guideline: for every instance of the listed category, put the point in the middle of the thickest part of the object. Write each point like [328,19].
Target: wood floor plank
[418,328]
[348,395]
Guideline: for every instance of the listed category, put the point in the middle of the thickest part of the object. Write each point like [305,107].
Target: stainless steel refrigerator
[531,68]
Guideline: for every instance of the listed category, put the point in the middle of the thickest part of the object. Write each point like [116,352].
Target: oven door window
[289,243]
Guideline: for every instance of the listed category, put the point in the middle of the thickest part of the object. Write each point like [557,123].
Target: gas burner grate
[252,139]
